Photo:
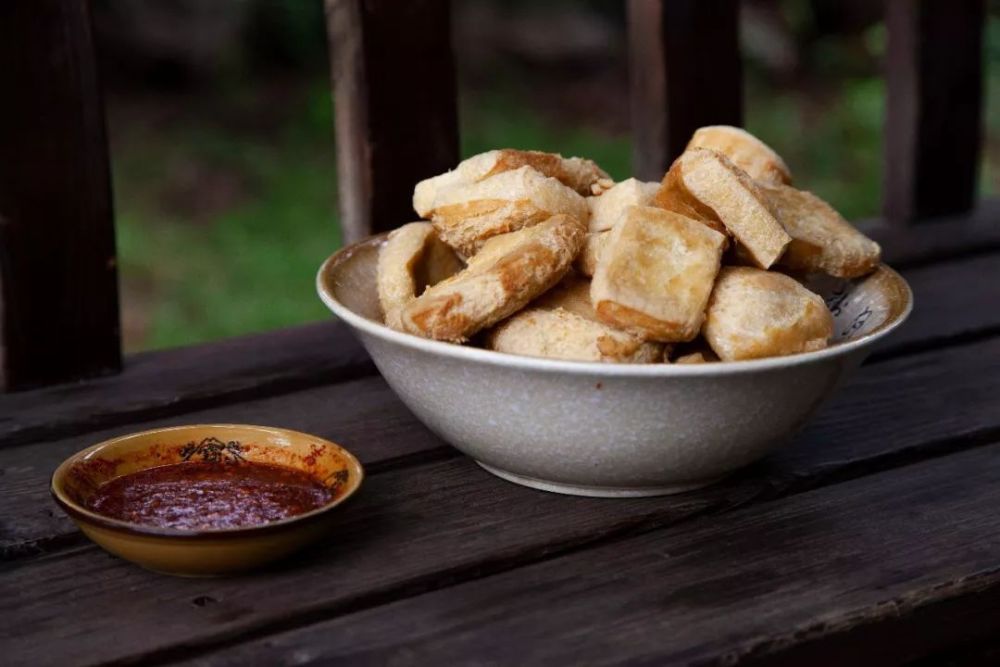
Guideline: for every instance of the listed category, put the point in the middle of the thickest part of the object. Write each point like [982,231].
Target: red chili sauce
[207,496]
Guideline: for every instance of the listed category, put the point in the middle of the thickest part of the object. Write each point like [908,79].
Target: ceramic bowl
[204,552]
[610,429]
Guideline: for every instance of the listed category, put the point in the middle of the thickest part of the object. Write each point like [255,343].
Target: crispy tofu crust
[673,196]
[655,276]
[560,334]
[586,261]
[703,179]
[583,176]
[754,314]
[467,215]
[746,151]
[821,239]
[607,209]
[412,258]
[510,271]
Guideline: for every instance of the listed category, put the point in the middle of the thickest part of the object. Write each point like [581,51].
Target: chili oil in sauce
[210,495]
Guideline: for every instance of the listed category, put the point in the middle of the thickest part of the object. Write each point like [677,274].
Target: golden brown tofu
[510,271]
[560,334]
[582,175]
[607,209]
[754,314]
[412,258]
[467,215]
[704,179]
[656,273]
[821,239]
[746,151]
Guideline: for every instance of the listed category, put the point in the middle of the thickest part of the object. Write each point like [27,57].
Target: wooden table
[873,538]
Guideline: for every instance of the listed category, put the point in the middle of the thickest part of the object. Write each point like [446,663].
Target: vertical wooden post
[59,293]
[933,114]
[396,110]
[684,71]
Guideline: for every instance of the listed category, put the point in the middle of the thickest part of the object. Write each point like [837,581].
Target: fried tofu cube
[754,314]
[412,259]
[656,273]
[821,239]
[560,334]
[746,151]
[582,175]
[468,214]
[511,271]
[607,209]
[708,181]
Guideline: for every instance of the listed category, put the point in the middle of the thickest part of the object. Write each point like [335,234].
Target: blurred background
[221,130]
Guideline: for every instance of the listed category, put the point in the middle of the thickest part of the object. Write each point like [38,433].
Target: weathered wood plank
[945,297]
[425,527]
[58,281]
[685,71]
[395,102]
[940,239]
[156,384]
[933,114]
[362,415]
[893,555]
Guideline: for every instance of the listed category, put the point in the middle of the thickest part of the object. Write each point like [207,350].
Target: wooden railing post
[58,281]
[933,115]
[684,72]
[395,99]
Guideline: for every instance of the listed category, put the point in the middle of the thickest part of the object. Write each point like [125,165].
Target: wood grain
[893,555]
[946,297]
[395,102]
[58,279]
[934,108]
[685,72]
[412,529]
[940,239]
[168,382]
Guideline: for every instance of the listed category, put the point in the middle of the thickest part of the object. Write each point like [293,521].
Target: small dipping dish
[262,466]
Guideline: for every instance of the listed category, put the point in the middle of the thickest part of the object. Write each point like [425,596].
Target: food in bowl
[206,499]
[713,263]
[554,395]
[201,495]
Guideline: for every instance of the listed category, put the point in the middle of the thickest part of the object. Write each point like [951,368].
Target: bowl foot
[597,491]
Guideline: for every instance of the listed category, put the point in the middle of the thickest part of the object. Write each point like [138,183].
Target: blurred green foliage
[248,264]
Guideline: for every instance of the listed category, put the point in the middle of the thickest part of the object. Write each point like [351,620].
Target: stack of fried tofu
[534,254]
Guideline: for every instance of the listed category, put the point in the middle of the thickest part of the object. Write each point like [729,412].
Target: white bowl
[610,429]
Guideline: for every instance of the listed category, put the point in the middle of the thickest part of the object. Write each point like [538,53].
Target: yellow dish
[204,552]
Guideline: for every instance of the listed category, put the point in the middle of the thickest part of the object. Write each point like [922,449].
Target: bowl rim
[624,370]
[80,513]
